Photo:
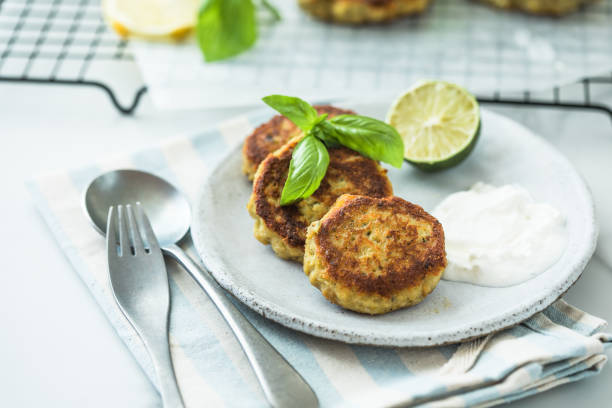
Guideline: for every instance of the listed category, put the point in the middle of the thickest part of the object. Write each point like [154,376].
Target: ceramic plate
[279,290]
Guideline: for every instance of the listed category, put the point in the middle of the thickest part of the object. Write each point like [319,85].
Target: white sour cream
[498,236]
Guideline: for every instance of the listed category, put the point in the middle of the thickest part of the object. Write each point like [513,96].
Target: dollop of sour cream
[498,236]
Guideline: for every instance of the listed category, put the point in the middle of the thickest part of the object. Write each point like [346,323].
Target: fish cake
[545,7]
[374,255]
[362,11]
[284,227]
[272,135]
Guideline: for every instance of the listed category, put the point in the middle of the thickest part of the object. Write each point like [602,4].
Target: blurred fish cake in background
[362,11]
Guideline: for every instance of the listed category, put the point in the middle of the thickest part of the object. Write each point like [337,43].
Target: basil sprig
[225,28]
[310,159]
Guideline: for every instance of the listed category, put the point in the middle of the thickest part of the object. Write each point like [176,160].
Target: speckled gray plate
[279,290]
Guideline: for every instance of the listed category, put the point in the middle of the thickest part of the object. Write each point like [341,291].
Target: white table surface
[57,348]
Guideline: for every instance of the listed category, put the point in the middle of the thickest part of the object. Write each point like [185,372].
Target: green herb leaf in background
[370,137]
[226,28]
[295,109]
[308,166]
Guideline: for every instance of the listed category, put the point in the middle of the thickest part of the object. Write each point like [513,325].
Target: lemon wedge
[151,18]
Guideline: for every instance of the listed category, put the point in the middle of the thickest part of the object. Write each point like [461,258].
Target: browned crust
[555,8]
[407,259]
[348,172]
[273,134]
[362,11]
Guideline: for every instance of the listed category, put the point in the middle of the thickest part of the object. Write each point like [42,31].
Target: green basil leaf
[327,133]
[295,109]
[320,119]
[370,137]
[307,168]
[226,28]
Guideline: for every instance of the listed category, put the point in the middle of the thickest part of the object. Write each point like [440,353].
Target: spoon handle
[281,383]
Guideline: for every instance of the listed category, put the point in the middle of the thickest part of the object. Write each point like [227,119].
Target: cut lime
[439,123]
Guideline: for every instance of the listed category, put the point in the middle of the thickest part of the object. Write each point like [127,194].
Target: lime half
[439,123]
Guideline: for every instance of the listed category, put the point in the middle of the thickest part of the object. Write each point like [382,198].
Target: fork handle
[162,361]
[282,384]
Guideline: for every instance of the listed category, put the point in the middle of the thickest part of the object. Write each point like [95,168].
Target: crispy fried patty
[546,7]
[375,255]
[284,228]
[274,134]
[362,11]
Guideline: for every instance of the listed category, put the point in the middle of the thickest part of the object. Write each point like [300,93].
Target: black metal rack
[66,42]
[63,42]
[555,100]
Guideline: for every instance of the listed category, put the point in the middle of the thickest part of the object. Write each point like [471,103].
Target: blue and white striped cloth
[560,345]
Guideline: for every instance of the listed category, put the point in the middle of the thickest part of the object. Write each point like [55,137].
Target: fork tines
[131,231]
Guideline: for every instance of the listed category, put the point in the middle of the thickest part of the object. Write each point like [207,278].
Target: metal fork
[139,280]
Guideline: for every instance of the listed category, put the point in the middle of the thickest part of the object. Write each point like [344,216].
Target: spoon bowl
[166,206]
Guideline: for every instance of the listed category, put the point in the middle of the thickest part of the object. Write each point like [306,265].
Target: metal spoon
[170,216]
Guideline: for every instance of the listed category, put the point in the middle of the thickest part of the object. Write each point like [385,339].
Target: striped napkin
[554,347]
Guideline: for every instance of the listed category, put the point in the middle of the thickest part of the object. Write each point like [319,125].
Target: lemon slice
[439,123]
[151,18]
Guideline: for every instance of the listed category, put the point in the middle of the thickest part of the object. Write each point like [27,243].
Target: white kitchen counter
[57,348]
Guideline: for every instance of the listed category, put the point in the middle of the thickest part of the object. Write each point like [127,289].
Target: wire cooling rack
[66,42]
[62,42]
[558,97]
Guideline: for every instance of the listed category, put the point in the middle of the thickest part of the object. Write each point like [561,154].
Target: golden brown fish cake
[375,255]
[545,7]
[362,11]
[272,135]
[284,228]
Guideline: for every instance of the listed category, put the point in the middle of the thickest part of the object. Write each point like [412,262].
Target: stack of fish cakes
[389,279]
